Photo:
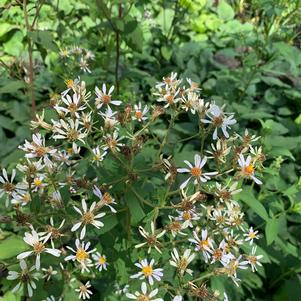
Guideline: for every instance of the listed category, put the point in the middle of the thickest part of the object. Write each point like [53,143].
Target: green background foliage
[245,54]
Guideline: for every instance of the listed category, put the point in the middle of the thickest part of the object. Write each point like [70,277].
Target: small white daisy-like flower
[177,298]
[247,168]
[81,254]
[48,273]
[109,118]
[219,119]
[139,112]
[104,97]
[98,156]
[84,65]
[195,171]
[253,259]
[251,235]
[144,295]
[64,53]
[68,130]
[38,183]
[38,246]
[182,262]
[169,82]
[73,105]
[225,193]
[231,264]
[204,244]
[52,232]
[192,101]
[105,199]
[175,226]
[87,217]
[36,148]
[84,291]
[112,142]
[21,198]
[151,238]
[148,271]
[26,278]
[7,185]
[188,216]
[170,98]
[100,261]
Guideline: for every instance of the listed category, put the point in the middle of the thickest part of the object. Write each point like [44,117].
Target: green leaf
[35,204]
[110,222]
[11,245]
[248,197]
[136,211]
[135,39]
[225,11]
[12,86]
[44,38]
[271,230]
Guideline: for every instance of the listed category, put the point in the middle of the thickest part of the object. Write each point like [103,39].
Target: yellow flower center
[88,217]
[196,171]
[107,198]
[252,235]
[147,271]
[37,182]
[169,98]
[38,247]
[248,170]
[204,243]
[143,298]
[81,255]
[69,83]
[102,260]
[186,215]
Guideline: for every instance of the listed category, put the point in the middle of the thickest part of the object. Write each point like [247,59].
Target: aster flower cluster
[71,190]
[80,57]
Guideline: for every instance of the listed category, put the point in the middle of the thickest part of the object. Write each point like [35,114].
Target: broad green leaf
[110,222]
[136,211]
[248,197]
[225,11]
[12,86]
[271,230]
[11,246]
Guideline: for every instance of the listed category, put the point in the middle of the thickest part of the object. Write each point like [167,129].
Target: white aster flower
[182,262]
[71,85]
[105,199]
[151,238]
[84,291]
[112,142]
[104,97]
[68,130]
[73,105]
[100,261]
[81,255]
[87,217]
[48,273]
[204,244]
[38,246]
[139,112]
[109,118]
[247,168]
[148,272]
[144,295]
[195,171]
[253,259]
[219,119]
[188,216]
[251,235]
[98,156]
[26,278]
